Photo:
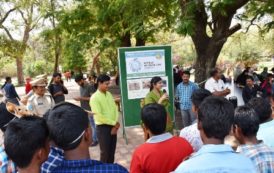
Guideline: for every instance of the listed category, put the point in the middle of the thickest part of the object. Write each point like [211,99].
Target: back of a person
[88,166]
[261,155]
[266,133]
[162,157]
[219,162]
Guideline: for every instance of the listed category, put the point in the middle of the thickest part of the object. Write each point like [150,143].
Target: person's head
[103,82]
[26,142]
[249,81]
[5,117]
[265,69]
[8,79]
[79,79]
[69,126]
[39,86]
[215,118]
[156,83]
[57,77]
[154,118]
[215,73]
[185,76]
[246,123]
[197,98]
[269,77]
[262,107]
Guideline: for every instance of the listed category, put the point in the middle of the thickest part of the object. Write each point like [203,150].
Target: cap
[38,82]
[78,78]
[41,76]
[5,116]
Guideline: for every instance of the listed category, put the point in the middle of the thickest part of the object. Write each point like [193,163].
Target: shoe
[93,144]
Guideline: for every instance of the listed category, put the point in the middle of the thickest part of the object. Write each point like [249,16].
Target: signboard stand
[137,65]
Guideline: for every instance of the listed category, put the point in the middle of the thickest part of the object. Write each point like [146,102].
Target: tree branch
[6,15]
[23,16]
[233,29]
[8,32]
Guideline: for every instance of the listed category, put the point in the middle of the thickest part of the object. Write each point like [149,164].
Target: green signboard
[137,66]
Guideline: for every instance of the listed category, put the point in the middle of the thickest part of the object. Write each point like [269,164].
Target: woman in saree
[157,95]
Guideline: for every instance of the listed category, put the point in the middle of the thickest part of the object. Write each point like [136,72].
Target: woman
[156,95]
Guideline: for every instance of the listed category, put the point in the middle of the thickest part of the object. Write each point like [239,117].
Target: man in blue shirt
[70,130]
[215,119]
[263,110]
[10,92]
[183,92]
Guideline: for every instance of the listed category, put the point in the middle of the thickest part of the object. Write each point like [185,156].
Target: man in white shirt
[215,85]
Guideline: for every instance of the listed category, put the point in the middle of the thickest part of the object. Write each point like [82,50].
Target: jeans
[94,135]
[107,143]
[187,117]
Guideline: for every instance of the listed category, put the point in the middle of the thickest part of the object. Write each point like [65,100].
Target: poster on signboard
[145,63]
[138,88]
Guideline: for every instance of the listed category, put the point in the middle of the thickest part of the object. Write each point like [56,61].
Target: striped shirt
[261,155]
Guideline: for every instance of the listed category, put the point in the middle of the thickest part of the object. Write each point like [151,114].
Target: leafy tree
[209,23]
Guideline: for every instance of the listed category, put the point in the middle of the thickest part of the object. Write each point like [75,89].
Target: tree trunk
[57,53]
[206,59]
[20,76]
[125,40]
[140,41]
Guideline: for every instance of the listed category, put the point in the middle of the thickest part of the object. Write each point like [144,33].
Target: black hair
[245,118]
[7,80]
[78,78]
[249,77]
[262,107]
[66,122]
[186,72]
[269,75]
[24,137]
[5,117]
[56,74]
[198,96]
[154,81]
[213,72]
[103,78]
[154,117]
[216,116]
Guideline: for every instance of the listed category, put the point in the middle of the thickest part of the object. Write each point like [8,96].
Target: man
[69,129]
[215,85]
[183,92]
[162,152]
[106,119]
[246,125]
[250,90]
[191,133]
[57,88]
[215,119]
[27,143]
[86,90]
[264,73]
[40,102]
[10,92]
[266,130]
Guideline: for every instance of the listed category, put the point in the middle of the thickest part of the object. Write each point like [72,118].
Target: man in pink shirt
[162,152]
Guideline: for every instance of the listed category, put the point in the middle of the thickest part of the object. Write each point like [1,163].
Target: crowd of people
[54,135]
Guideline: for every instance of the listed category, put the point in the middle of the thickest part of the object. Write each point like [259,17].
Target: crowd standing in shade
[55,136]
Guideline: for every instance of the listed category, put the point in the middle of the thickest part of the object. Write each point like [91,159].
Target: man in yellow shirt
[106,119]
